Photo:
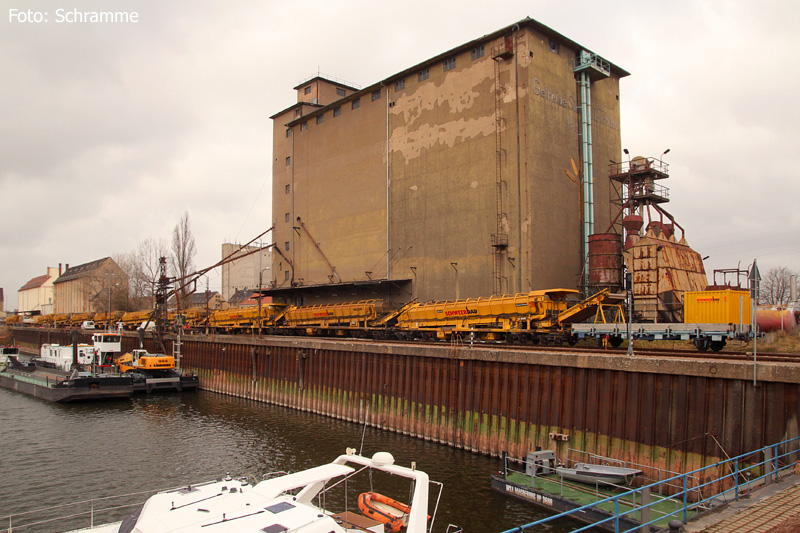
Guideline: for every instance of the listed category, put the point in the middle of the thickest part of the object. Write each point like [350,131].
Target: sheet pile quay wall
[675,414]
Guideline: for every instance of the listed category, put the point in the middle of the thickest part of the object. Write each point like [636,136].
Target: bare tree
[183,249]
[774,288]
[106,287]
[141,266]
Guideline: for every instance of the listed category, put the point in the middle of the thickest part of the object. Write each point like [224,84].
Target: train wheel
[717,345]
[702,343]
[615,341]
[572,340]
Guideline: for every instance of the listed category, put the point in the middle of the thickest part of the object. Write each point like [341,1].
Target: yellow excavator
[141,360]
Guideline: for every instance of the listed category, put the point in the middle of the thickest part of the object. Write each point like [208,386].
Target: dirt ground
[789,526]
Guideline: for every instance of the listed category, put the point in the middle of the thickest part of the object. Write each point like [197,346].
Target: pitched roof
[241,296]
[196,299]
[34,283]
[81,271]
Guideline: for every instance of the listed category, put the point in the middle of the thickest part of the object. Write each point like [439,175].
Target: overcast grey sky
[111,131]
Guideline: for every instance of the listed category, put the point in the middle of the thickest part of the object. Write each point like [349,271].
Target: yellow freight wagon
[522,311]
[241,318]
[60,320]
[76,319]
[727,306]
[134,319]
[347,315]
[107,320]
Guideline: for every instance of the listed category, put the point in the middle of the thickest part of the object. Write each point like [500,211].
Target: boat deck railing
[726,480]
[73,515]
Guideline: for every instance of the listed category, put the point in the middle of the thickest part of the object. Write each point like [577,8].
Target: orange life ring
[366,504]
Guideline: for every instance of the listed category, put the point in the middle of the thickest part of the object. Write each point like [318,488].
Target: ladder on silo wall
[499,240]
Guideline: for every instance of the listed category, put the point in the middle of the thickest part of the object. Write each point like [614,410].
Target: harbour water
[53,454]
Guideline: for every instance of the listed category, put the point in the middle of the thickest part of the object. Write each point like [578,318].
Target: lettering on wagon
[461,312]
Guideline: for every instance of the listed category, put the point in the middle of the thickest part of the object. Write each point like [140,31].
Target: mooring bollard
[675,526]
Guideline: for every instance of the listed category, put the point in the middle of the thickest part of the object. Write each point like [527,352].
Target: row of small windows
[449,64]
[339,91]
[355,104]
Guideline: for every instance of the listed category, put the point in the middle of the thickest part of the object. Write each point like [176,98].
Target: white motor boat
[545,462]
[603,474]
[277,505]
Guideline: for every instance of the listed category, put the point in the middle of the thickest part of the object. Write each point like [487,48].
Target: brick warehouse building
[447,180]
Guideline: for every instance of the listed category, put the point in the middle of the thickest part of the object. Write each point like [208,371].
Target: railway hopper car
[76,319]
[194,317]
[59,320]
[536,316]
[134,319]
[107,320]
[345,319]
[240,319]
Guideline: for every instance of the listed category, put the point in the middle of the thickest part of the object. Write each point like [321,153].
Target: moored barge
[59,386]
[550,487]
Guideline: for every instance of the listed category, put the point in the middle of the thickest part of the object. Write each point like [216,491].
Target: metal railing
[82,511]
[654,474]
[743,476]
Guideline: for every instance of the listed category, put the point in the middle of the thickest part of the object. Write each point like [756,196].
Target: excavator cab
[143,361]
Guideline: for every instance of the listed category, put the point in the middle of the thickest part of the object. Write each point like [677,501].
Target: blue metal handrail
[771,467]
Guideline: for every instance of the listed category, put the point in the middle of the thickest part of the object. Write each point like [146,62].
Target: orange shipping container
[717,307]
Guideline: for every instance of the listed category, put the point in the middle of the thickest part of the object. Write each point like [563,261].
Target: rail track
[612,352]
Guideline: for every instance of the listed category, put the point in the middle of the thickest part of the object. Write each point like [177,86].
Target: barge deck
[552,492]
[56,386]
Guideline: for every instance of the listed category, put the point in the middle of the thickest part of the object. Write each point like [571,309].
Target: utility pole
[629,291]
[755,281]
[260,275]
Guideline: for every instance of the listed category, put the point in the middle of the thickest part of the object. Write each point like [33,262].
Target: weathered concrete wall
[456,150]
[668,413]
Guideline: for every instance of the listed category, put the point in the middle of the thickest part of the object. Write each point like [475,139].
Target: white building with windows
[37,295]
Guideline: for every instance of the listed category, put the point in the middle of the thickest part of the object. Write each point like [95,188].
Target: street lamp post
[260,296]
[260,273]
[109,275]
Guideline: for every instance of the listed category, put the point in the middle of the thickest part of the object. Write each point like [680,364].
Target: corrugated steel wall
[677,416]
[670,421]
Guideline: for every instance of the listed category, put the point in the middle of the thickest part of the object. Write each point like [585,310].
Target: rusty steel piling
[665,413]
